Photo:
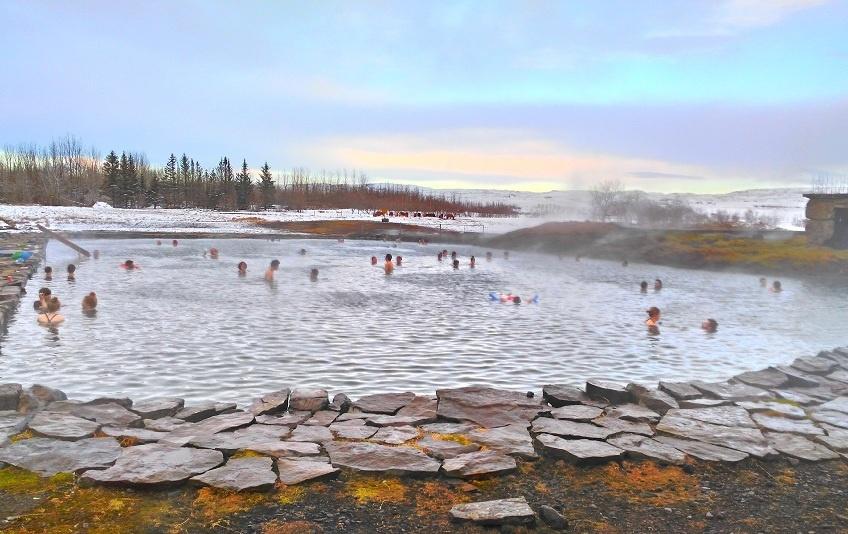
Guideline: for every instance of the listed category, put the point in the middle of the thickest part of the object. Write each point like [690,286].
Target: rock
[197,412]
[620,425]
[633,412]
[341,403]
[748,440]
[478,464]
[47,457]
[653,399]
[106,414]
[11,423]
[797,378]
[138,436]
[290,419]
[796,396]
[62,426]
[839,404]
[297,471]
[155,464]
[577,412]
[10,394]
[395,435]
[353,416]
[720,415]
[611,392]
[800,447]
[309,400]
[37,398]
[680,390]
[449,428]
[164,424]
[731,392]
[562,395]
[513,440]
[322,418]
[243,438]
[840,375]
[183,434]
[830,417]
[776,423]
[226,407]
[286,449]
[372,457]
[271,403]
[399,420]
[554,519]
[315,434]
[384,403]
[578,450]
[442,449]
[836,438]
[766,378]
[786,410]
[570,429]
[704,403]
[501,512]
[345,430]
[421,407]
[158,407]
[240,474]
[703,451]
[487,407]
[816,365]
[47,394]
[644,447]
[123,402]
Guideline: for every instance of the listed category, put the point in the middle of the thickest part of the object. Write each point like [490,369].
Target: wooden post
[63,239]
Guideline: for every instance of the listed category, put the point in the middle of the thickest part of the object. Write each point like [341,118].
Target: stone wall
[820,215]
[14,275]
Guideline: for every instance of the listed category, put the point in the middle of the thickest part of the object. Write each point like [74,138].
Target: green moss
[14,480]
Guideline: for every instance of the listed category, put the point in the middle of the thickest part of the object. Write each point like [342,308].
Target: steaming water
[189,326]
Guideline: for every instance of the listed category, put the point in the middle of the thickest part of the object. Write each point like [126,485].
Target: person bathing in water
[129,265]
[43,296]
[48,273]
[763,281]
[51,315]
[213,253]
[776,287]
[399,260]
[653,320]
[388,266]
[473,262]
[710,326]
[273,268]
[72,269]
[89,302]
[657,284]
[242,268]
[313,275]
[373,260]
[643,287]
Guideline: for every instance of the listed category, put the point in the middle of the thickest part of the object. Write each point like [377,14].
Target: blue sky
[710,95]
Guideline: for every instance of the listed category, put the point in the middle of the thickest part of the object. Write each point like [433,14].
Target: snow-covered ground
[785,205]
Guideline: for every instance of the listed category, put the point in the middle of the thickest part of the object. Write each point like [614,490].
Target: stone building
[827,219]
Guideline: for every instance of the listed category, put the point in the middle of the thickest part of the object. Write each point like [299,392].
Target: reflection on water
[187,325]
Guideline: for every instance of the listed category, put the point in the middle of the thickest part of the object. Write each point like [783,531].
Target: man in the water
[388,266]
[643,287]
[473,262]
[43,296]
[242,268]
[89,302]
[657,284]
[456,264]
[302,252]
[72,269]
[129,265]
[653,320]
[439,256]
[488,256]
[175,242]
[273,268]
[48,273]
[710,325]
[373,260]
[213,253]
[776,287]
[313,275]
[399,260]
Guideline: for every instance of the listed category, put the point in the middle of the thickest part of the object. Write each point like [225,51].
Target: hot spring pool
[185,325]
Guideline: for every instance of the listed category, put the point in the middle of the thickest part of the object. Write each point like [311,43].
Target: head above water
[643,285]
[242,266]
[48,270]
[710,325]
[653,311]
[763,281]
[313,274]
[129,264]
[776,285]
[373,260]
[89,301]
[72,268]
[456,264]
[53,305]
[399,260]
[275,264]
[516,300]
[44,292]
[175,242]
[388,257]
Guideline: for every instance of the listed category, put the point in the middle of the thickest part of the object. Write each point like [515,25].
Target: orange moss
[639,483]
[214,504]
[26,434]
[276,526]
[436,498]
[786,477]
[542,488]
[287,495]
[372,489]
[456,438]
[245,453]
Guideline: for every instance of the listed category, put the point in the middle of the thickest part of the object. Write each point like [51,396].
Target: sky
[665,95]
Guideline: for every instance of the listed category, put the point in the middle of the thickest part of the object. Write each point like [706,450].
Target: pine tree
[123,181]
[266,186]
[153,196]
[169,180]
[111,170]
[244,187]
[185,179]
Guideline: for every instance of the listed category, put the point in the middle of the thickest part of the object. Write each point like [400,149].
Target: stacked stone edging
[799,411]
[12,291]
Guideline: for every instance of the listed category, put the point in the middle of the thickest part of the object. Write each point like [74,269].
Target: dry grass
[639,483]
[214,504]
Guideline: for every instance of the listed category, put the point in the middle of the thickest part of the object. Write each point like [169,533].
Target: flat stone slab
[487,407]
[11,423]
[653,399]
[348,431]
[704,403]
[563,395]
[384,403]
[286,449]
[607,390]
[271,403]
[395,435]
[376,458]
[164,424]
[158,407]
[571,429]
[620,425]
[786,410]
[478,464]
[839,404]
[830,417]
[240,474]
[47,457]
[290,419]
[138,435]
[840,375]
[183,434]
[800,447]
[579,450]
[296,471]
[797,378]
[155,464]
[815,365]
[796,396]
[633,412]
[443,449]
[399,420]
[315,434]
[10,394]
[577,412]
[197,412]
[449,428]
[322,418]
[645,447]
[748,440]
[766,378]
[734,416]
[513,440]
[110,413]
[309,399]
[501,512]
[244,438]
[703,451]
[836,438]
[731,392]
[422,407]
[62,426]
[680,390]
[777,423]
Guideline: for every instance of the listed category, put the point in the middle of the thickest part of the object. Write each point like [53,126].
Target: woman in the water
[51,316]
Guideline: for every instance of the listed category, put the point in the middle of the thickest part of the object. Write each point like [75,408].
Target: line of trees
[64,173]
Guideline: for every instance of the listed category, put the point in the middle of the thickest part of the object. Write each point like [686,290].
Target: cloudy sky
[703,96]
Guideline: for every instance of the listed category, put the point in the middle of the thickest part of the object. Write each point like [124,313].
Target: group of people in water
[48,306]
